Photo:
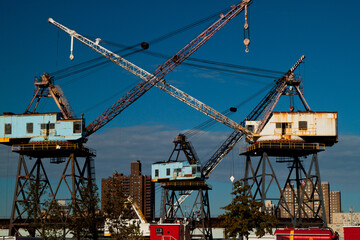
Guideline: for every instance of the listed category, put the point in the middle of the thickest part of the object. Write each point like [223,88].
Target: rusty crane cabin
[309,127]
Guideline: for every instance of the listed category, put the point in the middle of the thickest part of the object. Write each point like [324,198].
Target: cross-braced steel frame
[301,201]
[199,215]
[37,203]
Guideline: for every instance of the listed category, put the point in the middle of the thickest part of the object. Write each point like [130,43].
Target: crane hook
[246,43]
[71,48]
[246,31]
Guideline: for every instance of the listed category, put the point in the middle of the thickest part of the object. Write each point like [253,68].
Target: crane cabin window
[29,128]
[250,128]
[47,126]
[77,127]
[7,128]
[168,172]
[303,125]
[283,125]
[156,172]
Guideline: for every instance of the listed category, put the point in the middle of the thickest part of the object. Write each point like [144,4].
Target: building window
[302,125]
[7,128]
[77,127]
[29,127]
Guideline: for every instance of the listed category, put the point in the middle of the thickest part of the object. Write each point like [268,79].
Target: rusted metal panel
[308,126]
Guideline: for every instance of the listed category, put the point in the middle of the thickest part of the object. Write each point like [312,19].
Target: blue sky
[326,33]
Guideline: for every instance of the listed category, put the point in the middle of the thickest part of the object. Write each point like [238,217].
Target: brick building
[136,185]
[332,201]
[341,219]
[335,203]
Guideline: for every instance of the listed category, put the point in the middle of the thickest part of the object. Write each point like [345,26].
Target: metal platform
[282,148]
[186,185]
[53,149]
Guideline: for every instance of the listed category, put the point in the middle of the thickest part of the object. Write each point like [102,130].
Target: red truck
[305,234]
[351,232]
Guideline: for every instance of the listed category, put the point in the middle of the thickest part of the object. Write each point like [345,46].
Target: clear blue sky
[326,33]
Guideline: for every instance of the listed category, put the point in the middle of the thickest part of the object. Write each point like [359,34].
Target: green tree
[83,220]
[244,214]
[118,211]
[41,211]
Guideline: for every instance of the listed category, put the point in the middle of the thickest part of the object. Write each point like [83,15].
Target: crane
[157,78]
[264,108]
[143,223]
[137,210]
[262,111]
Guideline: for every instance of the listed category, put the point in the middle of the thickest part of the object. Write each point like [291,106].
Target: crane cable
[84,65]
[243,70]
[210,122]
[259,72]
[156,40]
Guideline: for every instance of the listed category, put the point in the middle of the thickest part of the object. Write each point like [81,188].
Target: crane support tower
[57,138]
[178,175]
[291,137]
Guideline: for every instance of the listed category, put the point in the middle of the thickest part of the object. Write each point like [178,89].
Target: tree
[40,209]
[118,211]
[82,218]
[244,214]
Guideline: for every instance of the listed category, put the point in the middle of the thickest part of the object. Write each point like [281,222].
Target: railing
[51,147]
[185,183]
[284,145]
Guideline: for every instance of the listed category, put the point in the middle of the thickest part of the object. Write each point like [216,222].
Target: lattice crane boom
[156,79]
[265,107]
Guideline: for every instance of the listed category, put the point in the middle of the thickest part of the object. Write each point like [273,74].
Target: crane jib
[157,79]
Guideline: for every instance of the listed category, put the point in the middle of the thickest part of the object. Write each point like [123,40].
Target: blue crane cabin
[39,127]
[179,170]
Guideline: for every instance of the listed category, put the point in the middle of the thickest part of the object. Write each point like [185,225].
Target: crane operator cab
[307,127]
[176,168]
[39,127]
[169,171]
